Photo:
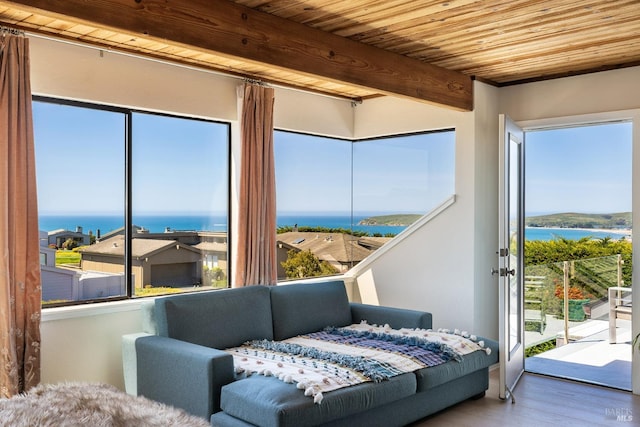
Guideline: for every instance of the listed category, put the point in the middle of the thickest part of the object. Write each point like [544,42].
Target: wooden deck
[590,358]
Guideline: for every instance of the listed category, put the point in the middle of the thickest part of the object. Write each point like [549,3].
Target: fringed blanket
[339,357]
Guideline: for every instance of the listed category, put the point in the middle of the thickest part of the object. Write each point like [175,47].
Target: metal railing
[570,290]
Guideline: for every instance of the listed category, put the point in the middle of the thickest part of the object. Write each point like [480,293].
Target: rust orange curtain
[256,263]
[20,291]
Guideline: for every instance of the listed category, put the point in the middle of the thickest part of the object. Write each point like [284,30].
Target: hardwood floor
[543,401]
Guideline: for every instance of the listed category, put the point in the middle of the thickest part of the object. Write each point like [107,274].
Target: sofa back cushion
[219,319]
[308,307]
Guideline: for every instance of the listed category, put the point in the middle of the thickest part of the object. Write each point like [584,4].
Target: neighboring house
[211,244]
[47,254]
[58,237]
[117,232]
[64,284]
[282,253]
[68,284]
[94,284]
[154,262]
[341,251]
[214,254]
[373,243]
[59,284]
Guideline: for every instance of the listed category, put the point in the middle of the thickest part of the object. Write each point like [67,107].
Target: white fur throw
[88,404]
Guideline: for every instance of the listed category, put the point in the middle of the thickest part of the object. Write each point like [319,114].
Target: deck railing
[570,290]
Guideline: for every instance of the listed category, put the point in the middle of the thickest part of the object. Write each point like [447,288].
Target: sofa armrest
[394,317]
[182,374]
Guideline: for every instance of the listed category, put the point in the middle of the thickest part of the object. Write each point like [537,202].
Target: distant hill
[581,220]
[393,220]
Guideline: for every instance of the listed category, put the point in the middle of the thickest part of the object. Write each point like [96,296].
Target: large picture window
[338,200]
[173,199]
[134,203]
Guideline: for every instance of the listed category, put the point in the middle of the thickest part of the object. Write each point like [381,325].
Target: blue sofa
[179,360]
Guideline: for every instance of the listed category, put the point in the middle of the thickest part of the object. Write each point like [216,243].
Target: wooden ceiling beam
[236,31]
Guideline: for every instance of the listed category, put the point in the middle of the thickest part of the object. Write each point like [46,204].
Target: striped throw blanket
[340,357]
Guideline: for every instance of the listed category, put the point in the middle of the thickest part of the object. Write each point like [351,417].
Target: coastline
[106,223]
[552,233]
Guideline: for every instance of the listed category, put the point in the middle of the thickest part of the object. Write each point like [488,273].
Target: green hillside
[560,220]
[581,220]
[393,220]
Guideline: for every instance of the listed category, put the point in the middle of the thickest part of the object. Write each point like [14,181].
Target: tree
[69,244]
[301,264]
[550,254]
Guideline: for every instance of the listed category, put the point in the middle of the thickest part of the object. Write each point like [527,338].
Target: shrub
[540,348]
[301,264]
[574,292]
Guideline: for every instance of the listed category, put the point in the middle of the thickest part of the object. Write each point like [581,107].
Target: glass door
[510,255]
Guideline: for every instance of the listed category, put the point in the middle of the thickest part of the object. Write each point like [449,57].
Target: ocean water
[153,223]
[159,223]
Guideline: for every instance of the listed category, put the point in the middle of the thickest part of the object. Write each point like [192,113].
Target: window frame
[353,142]
[128,142]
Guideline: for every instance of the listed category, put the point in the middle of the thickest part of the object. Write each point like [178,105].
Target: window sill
[134,304]
[75,311]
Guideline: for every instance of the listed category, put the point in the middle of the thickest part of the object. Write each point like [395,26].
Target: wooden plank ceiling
[501,42]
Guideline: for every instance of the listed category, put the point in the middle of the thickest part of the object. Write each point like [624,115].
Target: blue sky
[180,166]
[409,174]
[78,159]
[583,169]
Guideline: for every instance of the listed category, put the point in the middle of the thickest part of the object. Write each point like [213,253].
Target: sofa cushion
[269,402]
[437,375]
[308,307]
[396,318]
[219,319]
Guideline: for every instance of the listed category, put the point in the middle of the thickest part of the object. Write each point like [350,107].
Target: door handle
[503,272]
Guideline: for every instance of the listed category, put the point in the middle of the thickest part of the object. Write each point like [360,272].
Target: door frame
[632,115]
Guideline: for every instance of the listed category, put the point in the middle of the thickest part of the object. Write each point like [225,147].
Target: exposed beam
[236,31]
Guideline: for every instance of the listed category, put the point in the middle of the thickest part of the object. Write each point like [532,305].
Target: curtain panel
[256,262]
[20,289]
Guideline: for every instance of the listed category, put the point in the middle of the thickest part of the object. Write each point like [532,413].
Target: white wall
[586,94]
[87,74]
[83,343]
[485,217]
[610,95]
[446,264]
[314,114]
